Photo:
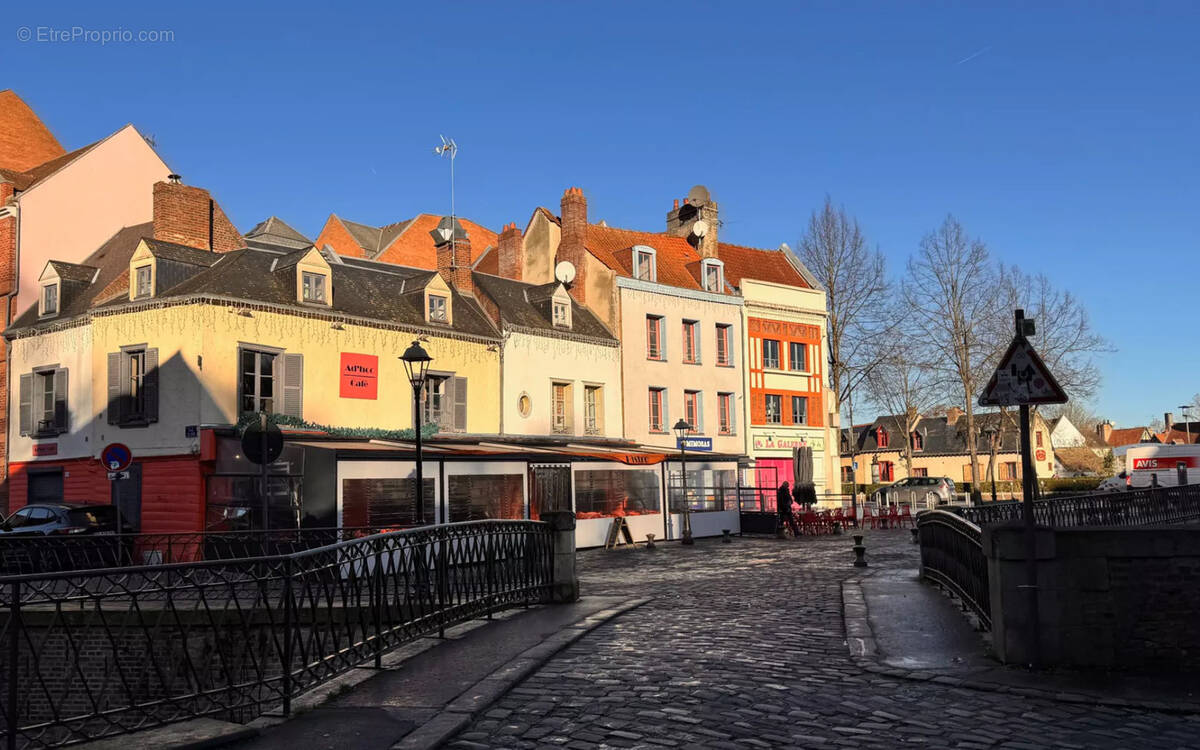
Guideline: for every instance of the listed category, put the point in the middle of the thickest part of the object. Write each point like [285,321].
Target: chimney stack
[1104,431]
[1168,420]
[573,245]
[453,248]
[953,414]
[512,252]
[189,216]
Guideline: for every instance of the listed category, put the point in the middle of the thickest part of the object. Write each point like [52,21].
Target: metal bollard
[726,539]
[860,550]
[915,540]
[650,542]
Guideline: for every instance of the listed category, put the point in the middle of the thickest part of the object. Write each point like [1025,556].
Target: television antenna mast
[449,148]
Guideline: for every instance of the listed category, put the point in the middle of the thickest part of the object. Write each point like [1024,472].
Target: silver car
[918,492]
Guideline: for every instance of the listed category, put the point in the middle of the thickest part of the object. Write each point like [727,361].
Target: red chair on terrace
[869,520]
[907,517]
[893,517]
[810,523]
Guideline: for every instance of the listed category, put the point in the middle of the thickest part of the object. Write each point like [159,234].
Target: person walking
[783,506]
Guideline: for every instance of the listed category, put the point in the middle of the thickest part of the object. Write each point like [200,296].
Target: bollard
[650,542]
[860,550]
[915,540]
[726,539]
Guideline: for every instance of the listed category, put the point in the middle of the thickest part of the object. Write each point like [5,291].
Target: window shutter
[293,385]
[115,401]
[26,400]
[150,384]
[60,400]
[460,404]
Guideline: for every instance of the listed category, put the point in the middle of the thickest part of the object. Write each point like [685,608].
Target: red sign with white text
[1164,463]
[45,449]
[359,376]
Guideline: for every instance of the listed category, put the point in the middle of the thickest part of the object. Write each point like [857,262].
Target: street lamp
[682,428]
[416,364]
[991,432]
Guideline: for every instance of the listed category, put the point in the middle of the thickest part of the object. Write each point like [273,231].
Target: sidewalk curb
[862,648]
[480,696]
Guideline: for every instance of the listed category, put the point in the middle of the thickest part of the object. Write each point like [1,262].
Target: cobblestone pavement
[743,647]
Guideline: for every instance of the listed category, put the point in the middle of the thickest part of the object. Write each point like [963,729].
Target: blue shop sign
[694,443]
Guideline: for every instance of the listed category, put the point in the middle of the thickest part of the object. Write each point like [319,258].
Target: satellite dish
[565,271]
[698,196]
[700,228]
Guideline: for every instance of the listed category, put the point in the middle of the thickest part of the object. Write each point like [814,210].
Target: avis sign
[1022,379]
[359,376]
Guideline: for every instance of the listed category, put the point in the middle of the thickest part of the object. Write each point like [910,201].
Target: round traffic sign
[252,443]
[116,457]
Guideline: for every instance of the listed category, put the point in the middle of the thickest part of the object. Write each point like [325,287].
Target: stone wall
[1126,598]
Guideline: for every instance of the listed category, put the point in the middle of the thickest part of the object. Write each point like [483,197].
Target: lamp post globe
[416,365]
[682,428]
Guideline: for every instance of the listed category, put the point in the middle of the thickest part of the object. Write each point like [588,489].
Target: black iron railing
[952,555]
[94,653]
[21,554]
[1133,508]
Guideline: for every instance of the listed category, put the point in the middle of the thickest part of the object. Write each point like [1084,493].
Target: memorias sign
[359,376]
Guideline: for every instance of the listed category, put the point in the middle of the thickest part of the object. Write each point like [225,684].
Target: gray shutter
[460,404]
[114,387]
[150,385]
[293,385]
[26,401]
[60,400]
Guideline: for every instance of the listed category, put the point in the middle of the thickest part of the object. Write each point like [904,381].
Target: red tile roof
[414,246]
[759,265]
[673,253]
[25,141]
[1126,436]
[1173,436]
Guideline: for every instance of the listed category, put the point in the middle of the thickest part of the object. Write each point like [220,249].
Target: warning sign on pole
[1022,379]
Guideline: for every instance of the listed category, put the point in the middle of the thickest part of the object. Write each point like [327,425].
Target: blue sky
[1064,136]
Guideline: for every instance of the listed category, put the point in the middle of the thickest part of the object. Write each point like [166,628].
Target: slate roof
[182,253]
[518,303]
[76,272]
[112,260]
[275,233]
[939,436]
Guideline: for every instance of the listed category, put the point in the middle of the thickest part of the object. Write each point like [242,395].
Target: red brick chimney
[953,414]
[572,247]
[512,252]
[189,216]
[454,263]
[1104,431]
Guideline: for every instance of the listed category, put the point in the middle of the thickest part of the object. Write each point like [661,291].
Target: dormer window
[313,288]
[713,272]
[918,441]
[142,288]
[50,299]
[437,308]
[643,263]
[562,315]
[881,438]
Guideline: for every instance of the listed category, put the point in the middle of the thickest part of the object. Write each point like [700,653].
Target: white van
[1152,464]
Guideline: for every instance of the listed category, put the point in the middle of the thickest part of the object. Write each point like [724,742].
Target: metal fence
[103,652]
[951,540]
[1132,508]
[952,555]
[23,554]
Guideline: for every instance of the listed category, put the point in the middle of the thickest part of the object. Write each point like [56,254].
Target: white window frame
[791,360]
[650,256]
[561,314]
[137,282]
[305,278]
[43,308]
[767,411]
[778,362]
[712,264]
[445,308]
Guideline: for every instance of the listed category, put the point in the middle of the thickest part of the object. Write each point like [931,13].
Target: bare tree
[905,387]
[835,251]
[950,295]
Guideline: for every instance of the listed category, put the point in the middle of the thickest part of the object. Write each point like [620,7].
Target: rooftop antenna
[449,147]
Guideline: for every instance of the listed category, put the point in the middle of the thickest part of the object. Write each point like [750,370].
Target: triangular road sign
[1022,378]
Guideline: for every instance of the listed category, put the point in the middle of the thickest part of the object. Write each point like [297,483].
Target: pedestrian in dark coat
[783,505]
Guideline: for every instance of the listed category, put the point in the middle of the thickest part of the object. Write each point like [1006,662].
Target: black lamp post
[992,434]
[416,364]
[682,428]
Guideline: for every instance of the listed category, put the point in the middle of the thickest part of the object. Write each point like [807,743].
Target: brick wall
[189,216]
[8,276]
[511,253]
[1123,598]
[455,267]
[335,234]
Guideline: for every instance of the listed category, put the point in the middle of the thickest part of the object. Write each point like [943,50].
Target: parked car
[1119,483]
[50,537]
[48,519]
[925,492]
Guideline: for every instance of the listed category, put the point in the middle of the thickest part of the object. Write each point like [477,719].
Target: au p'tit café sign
[359,376]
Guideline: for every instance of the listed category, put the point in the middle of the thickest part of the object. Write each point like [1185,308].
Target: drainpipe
[8,320]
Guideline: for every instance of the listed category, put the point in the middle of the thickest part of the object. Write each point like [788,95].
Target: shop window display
[475,498]
[610,493]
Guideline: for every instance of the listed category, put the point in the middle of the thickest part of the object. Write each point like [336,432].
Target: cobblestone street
[743,647]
